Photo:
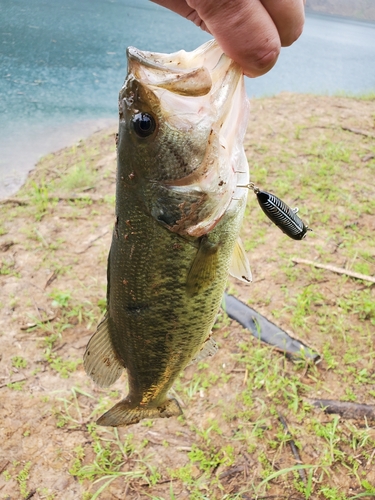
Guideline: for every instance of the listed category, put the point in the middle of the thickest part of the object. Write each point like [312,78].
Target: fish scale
[156,282]
[178,218]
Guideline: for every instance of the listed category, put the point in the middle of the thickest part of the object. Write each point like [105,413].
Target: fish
[180,203]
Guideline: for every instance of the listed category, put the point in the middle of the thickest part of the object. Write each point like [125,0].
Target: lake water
[63,63]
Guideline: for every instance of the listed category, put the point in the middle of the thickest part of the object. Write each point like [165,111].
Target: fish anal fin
[125,413]
[203,269]
[240,267]
[208,349]
[100,360]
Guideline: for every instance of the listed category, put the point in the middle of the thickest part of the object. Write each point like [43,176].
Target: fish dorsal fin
[239,266]
[100,360]
[203,270]
[208,349]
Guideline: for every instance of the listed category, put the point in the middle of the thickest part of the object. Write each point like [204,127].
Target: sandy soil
[54,239]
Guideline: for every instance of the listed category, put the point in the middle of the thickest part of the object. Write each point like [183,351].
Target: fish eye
[143,124]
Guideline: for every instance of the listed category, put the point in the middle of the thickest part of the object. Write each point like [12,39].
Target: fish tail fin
[125,413]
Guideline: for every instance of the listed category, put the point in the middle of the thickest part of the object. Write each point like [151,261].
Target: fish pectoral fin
[125,413]
[100,360]
[239,266]
[203,269]
[208,349]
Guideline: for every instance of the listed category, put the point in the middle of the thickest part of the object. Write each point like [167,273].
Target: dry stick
[345,409]
[13,382]
[271,497]
[4,465]
[50,279]
[357,131]
[41,322]
[293,447]
[232,471]
[92,242]
[334,269]
[74,197]
[30,495]
[368,157]
[13,201]
[57,197]
[163,481]
[4,247]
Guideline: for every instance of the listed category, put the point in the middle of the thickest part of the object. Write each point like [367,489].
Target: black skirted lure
[280,214]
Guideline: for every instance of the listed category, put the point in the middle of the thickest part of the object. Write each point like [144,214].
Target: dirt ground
[314,152]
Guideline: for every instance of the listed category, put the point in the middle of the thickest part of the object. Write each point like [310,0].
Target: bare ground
[314,152]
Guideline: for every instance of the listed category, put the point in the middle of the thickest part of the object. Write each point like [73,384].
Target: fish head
[182,121]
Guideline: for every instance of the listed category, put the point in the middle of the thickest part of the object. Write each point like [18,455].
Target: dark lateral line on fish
[137,308]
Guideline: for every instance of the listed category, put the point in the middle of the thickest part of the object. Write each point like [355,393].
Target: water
[63,63]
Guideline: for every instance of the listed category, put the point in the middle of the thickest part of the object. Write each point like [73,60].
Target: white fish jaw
[200,91]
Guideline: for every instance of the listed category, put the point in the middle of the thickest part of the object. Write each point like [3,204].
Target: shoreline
[73,133]
[312,11]
[17,165]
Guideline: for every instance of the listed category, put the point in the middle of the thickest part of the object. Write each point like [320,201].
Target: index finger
[288,17]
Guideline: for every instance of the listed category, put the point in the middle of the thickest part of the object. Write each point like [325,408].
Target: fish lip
[143,58]
[156,60]
[162,61]
[151,69]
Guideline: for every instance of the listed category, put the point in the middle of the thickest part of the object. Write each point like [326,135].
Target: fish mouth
[184,73]
[206,55]
[205,73]
[198,94]
[152,68]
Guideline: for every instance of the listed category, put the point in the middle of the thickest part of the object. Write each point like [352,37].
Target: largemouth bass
[181,192]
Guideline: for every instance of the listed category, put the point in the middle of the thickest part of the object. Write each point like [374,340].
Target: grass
[229,443]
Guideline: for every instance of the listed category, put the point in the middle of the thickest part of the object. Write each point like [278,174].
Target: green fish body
[180,201]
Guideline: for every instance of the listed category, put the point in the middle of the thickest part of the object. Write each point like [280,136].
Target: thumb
[244,30]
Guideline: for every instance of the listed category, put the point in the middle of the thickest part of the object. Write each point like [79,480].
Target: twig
[163,481]
[13,201]
[13,382]
[232,471]
[74,197]
[4,247]
[370,459]
[41,322]
[293,447]
[271,497]
[358,132]
[368,157]
[4,465]
[57,197]
[60,347]
[50,279]
[334,269]
[30,495]
[92,242]
[345,409]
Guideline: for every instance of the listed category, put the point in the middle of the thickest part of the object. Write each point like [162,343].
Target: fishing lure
[280,214]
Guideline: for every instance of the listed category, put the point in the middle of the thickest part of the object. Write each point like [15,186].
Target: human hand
[251,32]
